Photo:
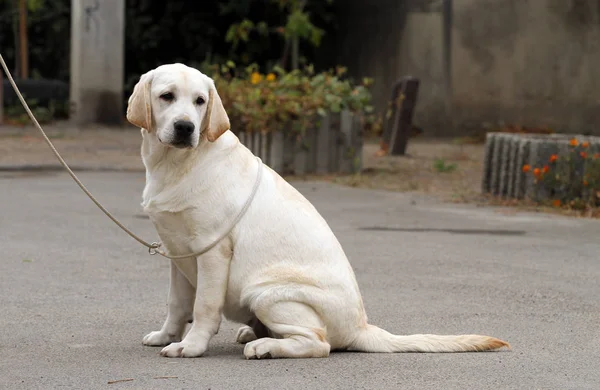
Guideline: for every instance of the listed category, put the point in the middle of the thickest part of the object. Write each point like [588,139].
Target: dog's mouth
[182,145]
[177,143]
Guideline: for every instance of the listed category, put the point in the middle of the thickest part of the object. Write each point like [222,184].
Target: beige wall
[529,62]
[534,62]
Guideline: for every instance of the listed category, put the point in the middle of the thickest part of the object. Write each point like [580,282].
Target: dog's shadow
[491,232]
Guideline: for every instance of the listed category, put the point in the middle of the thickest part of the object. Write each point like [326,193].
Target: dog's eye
[200,101]
[168,96]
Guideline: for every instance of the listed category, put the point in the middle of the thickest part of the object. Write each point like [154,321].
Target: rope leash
[153,248]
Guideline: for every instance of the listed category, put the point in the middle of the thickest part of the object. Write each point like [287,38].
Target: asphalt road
[77,295]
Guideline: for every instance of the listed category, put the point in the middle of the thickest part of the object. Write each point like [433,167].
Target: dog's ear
[139,107]
[216,119]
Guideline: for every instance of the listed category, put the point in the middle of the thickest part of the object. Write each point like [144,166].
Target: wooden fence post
[399,126]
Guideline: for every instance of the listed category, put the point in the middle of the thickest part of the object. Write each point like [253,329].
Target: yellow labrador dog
[280,270]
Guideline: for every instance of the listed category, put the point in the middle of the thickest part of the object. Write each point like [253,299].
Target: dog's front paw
[159,338]
[183,349]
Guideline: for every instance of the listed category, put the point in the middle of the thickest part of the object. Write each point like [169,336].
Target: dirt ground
[448,170]
[87,148]
[441,168]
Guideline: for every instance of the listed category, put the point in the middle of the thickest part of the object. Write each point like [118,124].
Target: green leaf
[262,28]
[231,34]
[35,5]
[316,36]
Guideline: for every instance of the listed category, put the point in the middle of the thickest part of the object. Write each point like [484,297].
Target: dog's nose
[184,127]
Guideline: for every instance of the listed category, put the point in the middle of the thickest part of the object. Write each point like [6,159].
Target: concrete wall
[529,62]
[97,60]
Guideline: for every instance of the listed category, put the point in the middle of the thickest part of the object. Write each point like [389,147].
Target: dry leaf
[120,380]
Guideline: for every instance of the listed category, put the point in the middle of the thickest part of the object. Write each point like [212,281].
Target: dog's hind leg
[302,331]
[254,330]
[245,334]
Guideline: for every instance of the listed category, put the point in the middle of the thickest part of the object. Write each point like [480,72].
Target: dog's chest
[173,228]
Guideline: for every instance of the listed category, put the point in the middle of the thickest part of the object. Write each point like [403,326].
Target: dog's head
[179,105]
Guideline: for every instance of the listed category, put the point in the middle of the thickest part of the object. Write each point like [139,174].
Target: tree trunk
[1,99]
[24,54]
[295,53]
[15,28]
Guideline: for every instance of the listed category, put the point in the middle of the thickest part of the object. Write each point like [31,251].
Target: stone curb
[58,168]
[507,153]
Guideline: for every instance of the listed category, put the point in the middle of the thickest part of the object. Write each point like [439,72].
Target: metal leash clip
[153,248]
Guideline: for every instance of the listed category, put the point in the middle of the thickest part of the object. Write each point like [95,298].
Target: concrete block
[310,141]
[333,146]
[523,150]
[357,143]
[264,147]
[486,184]
[512,172]
[346,149]
[333,151]
[323,145]
[300,159]
[496,160]
[276,143]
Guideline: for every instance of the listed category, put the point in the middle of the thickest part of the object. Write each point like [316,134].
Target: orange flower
[583,154]
[271,77]
[526,168]
[585,144]
[255,78]
[585,183]
[556,203]
[546,169]
[537,172]
[553,158]
[574,142]
[596,156]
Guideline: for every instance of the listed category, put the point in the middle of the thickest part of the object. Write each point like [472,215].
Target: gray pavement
[77,295]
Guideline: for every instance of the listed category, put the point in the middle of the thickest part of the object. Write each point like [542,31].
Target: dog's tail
[374,339]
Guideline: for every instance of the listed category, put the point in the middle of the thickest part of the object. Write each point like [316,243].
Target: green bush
[288,101]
